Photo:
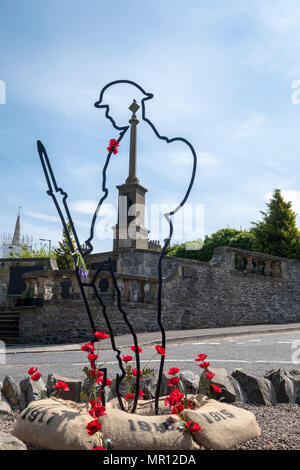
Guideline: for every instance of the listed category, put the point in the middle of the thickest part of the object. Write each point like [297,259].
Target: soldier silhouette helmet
[103,103]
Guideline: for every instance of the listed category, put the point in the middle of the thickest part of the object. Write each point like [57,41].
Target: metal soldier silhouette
[57,193]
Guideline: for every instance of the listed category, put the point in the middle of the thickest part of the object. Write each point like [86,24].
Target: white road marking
[285,342]
[254,340]
[193,360]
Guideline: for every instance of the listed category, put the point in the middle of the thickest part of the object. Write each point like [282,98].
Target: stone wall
[134,262]
[224,292]
[66,321]
[235,288]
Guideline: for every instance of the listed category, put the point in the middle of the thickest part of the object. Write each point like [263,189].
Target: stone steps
[9,327]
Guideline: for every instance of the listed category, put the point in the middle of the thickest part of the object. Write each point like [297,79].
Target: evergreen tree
[63,253]
[277,234]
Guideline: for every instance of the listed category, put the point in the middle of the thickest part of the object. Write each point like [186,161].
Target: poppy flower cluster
[212,388]
[191,426]
[60,385]
[96,377]
[178,401]
[131,373]
[35,375]
[113,145]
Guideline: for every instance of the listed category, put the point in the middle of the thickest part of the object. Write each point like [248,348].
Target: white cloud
[40,216]
[250,127]
[207,159]
[84,206]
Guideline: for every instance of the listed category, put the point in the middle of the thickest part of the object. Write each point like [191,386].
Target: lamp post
[49,241]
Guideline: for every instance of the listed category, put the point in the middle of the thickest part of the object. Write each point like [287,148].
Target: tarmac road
[255,353]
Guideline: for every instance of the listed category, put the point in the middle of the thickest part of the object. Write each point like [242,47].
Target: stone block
[285,384]
[8,442]
[257,389]
[11,391]
[74,387]
[227,384]
[30,391]
[5,407]
[190,381]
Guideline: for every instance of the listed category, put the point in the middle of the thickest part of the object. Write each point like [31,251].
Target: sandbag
[135,432]
[223,426]
[54,424]
[59,425]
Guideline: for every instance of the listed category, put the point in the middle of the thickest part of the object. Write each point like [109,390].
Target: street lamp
[49,241]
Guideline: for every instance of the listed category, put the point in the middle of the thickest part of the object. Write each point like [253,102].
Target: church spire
[17,233]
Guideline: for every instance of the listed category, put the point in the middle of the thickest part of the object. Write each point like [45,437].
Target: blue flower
[82,271]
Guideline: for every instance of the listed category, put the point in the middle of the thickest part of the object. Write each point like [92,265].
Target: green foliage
[35,252]
[84,397]
[43,394]
[225,237]
[277,234]
[243,240]
[63,253]
[186,250]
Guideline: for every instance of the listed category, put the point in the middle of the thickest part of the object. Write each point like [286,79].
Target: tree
[185,250]
[34,252]
[241,239]
[277,234]
[63,253]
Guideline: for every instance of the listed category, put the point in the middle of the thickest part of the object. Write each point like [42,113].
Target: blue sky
[221,74]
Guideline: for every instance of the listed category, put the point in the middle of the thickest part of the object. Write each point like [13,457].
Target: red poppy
[32,370]
[60,385]
[192,426]
[174,398]
[204,365]
[35,377]
[210,375]
[172,382]
[139,349]
[98,402]
[113,145]
[97,411]
[141,393]
[89,347]
[99,448]
[92,373]
[100,381]
[134,372]
[93,427]
[127,358]
[92,357]
[129,396]
[190,405]
[160,350]
[201,357]
[173,371]
[177,409]
[101,335]
[216,388]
